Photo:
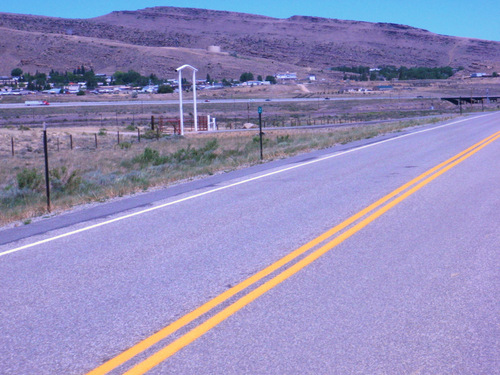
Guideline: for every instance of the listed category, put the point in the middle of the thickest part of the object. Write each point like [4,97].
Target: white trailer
[36,102]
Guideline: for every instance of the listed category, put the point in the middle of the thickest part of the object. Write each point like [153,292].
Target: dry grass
[86,174]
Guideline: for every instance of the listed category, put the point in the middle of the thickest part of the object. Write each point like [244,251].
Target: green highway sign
[260,110]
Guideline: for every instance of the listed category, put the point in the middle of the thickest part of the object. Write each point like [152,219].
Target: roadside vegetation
[389,72]
[81,176]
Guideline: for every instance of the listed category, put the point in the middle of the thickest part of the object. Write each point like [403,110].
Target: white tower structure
[179,70]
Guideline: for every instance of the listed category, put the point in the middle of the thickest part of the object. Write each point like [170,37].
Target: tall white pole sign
[194,97]
[194,102]
[180,103]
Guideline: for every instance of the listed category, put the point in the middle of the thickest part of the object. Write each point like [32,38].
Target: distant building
[477,75]
[7,80]
[214,49]
[383,88]
[255,83]
[52,91]
[150,89]
[72,88]
[312,77]
[105,89]
[286,76]
[214,86]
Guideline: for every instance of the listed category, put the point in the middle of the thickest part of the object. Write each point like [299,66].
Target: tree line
[389,72]
[248,76]
[42,81]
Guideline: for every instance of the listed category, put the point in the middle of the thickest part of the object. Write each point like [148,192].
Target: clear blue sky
[474,19]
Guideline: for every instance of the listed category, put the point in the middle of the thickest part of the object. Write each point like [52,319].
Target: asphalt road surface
[378,257]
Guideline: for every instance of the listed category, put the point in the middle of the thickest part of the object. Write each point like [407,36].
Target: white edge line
[226,187]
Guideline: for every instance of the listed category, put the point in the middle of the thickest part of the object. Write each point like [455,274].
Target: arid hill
[156,40]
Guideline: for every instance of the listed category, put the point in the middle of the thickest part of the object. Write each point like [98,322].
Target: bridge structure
[472,100]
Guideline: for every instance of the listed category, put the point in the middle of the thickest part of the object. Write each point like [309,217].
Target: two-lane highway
[376,257]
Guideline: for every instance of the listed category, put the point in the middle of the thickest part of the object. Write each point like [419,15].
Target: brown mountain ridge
[157,40]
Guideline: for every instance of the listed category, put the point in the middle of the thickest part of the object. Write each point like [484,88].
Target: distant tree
[388,72]
[245,77]
[154,79]
[259,78]
[79,71]
[35,82]
[403,73]
[118,78]
[129,78]
[271,79]
[90,79]
[132,76]
[141,81]
[225,82]
[41,79]
[27,77]
[495,74]
[17,72]
[57,78]
[355,69]
[209,79]
[71,77]
[165,89]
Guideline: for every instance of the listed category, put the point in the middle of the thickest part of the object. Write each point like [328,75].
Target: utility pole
[260,132]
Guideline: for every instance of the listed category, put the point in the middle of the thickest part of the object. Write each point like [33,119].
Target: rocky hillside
[156,40]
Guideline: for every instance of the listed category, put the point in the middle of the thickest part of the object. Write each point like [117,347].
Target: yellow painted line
[188,318]
[204,327]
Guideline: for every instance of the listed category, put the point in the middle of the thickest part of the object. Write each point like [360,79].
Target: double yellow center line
[376,209]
